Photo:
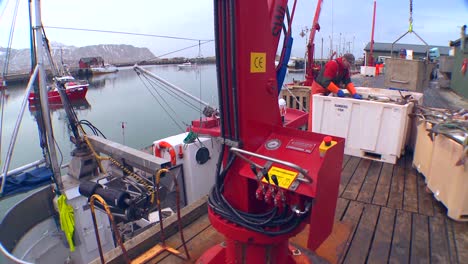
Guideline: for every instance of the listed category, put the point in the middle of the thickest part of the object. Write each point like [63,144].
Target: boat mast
[52,159]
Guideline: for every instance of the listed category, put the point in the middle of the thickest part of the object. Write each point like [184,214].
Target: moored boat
[186,65]
[75,90]
[106,68]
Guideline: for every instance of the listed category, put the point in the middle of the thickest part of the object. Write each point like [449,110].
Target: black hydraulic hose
[225,76]
[218,66]
[232,16]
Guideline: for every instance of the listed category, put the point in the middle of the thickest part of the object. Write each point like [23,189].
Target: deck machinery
[273,180]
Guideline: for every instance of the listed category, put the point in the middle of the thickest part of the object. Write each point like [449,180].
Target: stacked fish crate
[440,156]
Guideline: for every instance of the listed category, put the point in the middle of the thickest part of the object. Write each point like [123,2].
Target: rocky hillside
[70,55]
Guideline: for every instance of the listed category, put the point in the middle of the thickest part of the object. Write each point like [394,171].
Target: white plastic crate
[368,70]
[374,130]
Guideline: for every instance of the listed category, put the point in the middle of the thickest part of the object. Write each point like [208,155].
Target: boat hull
[78,93]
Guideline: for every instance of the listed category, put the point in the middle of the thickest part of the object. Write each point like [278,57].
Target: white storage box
[372,129]
[368,70]
[448,182]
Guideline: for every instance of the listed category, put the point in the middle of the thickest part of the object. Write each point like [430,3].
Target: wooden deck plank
[383,185]
[363,236]
[401,242]
[346,158]
[460,231]
[395,199]
[341,205]
[452,242]
[352,189]
[424,198]
[381,244]
[420,252]
[438,238]
[206,239]
[410,199]
[348,172]
[352,217]
[191,232]
[370,183]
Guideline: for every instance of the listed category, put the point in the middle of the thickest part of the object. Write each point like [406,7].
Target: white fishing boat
[186,65]
[104,69]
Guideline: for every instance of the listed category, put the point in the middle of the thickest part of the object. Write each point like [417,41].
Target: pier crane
[271,180]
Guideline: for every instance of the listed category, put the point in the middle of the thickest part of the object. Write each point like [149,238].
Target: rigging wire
[204,41]
[10,40]
[127,33]
[157,100]
[3,11]
[175,51]
[172,93]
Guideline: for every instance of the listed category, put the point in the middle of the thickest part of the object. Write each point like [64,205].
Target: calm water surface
[111,100]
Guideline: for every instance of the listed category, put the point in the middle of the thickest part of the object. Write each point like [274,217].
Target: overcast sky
[437,22]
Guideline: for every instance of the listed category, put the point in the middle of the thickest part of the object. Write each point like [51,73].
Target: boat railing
[7,258]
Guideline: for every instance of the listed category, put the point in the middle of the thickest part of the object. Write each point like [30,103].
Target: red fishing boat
[75,90]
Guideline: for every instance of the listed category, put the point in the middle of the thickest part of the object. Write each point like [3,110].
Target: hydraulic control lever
[260,192]
[303,177]
[280,198]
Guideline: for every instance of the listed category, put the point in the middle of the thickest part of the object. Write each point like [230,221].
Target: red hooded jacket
[335,72]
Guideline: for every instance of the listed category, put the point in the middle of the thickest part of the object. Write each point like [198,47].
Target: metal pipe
[45,99]
[463,38]
[307,179]
[136,67]
[25,167]
[371,55]
[9,154]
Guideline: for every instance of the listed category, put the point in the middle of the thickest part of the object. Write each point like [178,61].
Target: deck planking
[391,216]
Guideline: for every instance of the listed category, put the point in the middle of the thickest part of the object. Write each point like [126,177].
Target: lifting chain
[410,16]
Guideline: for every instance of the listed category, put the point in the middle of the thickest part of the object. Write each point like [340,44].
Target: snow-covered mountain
[20,60]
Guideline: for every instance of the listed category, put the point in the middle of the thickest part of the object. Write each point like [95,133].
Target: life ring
[163,144]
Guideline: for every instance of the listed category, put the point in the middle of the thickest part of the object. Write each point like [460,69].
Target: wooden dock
[384,215]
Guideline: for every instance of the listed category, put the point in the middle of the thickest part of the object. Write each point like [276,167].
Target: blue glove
[357,96]
[340,93]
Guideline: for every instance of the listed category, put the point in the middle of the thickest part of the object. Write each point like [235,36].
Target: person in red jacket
[333,75]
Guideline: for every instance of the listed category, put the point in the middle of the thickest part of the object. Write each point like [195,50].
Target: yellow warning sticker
[257,62]
[285,177]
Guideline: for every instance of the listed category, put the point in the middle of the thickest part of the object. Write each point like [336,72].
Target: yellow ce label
[257,62]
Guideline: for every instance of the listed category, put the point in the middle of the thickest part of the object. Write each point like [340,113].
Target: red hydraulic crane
[310,65]
[271,180]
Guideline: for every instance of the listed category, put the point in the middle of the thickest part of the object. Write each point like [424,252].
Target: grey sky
[437,22]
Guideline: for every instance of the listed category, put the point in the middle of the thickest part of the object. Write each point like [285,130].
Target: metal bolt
[296,252]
